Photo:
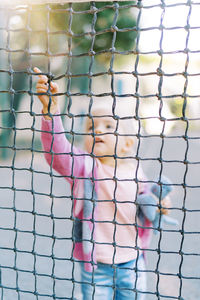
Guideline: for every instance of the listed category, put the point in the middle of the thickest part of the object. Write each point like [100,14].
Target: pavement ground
[172,272]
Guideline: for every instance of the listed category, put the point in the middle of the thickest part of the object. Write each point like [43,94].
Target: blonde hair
[120,109]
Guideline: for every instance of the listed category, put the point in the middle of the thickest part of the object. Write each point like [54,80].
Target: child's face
[102,140]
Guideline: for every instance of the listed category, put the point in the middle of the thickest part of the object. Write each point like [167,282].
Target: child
[104,188]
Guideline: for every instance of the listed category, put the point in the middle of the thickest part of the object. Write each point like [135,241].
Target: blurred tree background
[61,39]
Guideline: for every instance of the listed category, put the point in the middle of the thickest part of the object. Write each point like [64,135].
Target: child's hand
[166,204]
[42,87]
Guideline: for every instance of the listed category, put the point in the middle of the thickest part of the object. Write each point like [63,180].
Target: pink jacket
[79,169]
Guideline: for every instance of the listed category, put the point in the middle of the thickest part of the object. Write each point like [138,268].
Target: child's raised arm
[43,88]
[65,158]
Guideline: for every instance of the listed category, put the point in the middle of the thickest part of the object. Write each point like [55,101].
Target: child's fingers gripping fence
[124,51]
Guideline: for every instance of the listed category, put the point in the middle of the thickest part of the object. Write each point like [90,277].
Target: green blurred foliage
[82,23]
[45,30]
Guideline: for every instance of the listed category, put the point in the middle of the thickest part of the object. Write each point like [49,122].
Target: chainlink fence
[142,53]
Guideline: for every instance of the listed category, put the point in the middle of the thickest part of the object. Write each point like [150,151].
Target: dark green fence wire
[90,39]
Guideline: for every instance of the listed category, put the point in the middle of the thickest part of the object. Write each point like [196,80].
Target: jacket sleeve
[142,183]
[60,154]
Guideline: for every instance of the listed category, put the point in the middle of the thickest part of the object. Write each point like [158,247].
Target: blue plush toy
[149,205]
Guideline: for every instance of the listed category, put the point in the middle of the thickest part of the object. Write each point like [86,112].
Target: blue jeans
[118,282]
